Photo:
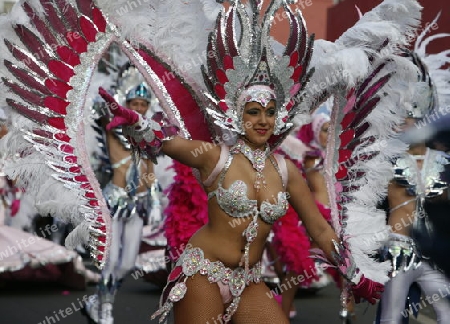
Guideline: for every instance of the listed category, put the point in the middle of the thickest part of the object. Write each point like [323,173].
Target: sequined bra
[426,182]
[234,200]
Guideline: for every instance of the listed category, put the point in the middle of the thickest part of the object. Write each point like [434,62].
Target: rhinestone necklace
[256,157]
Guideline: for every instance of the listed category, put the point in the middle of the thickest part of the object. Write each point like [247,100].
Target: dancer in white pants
[417,177]
[129,199]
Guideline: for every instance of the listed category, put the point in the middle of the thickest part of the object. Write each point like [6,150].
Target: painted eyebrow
[253,108]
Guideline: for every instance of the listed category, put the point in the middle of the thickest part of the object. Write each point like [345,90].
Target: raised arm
[323,234]
[197,154]
[155,134]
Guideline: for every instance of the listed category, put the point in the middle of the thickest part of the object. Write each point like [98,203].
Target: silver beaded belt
[402,252]
[193,261]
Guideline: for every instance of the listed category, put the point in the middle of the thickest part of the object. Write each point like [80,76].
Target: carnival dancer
[247,188]
[216,259]
[130,195]
[418,179]
[249,91]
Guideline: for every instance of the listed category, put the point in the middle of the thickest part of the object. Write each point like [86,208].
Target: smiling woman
[260,117]
[249,91]
[257,103]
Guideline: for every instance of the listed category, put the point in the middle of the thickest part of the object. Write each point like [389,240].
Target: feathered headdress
[247,69]
[432,93]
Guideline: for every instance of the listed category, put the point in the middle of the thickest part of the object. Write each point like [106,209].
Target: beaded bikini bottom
[122,205]
[192,261]
[402,252]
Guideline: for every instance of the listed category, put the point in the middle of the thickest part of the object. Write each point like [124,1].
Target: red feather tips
[57,123]
[344,155]
[294,59]
[86,186]
[93,203]
[77,42]
[58,88]
[66,148]
[81,178]
[348,118]
[63,138]
[220,91]
[297,73]
[228,62]
[99,256]
[56,104]
[221,76]
[88,29]
[99,20]
[346,137]
[71,159]
[342,172]
[68,56]
[75,169]
[223,106]
[90,194]
[61,70]
[290,105]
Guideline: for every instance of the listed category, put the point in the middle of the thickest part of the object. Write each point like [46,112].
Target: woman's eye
[252,112]
[271,112]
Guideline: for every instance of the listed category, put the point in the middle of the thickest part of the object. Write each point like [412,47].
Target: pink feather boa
[187,210]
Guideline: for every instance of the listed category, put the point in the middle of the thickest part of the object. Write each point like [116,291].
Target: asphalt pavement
[51,304]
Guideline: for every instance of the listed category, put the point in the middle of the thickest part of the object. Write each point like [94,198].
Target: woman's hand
[323,234]
[122,115]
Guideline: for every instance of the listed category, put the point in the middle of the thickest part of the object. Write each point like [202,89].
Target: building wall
[5,6]
[344,15]
[315,15]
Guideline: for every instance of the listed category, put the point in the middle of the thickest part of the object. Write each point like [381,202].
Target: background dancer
[418,179]
[129,197]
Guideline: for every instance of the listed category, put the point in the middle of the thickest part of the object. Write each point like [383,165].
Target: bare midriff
[118,153]
[401,219]
[221,242]
[221,238]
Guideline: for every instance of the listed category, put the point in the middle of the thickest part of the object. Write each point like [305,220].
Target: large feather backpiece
[382,31]
[51,52]
[362,141]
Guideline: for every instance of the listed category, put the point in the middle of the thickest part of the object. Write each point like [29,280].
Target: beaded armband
[147,136]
